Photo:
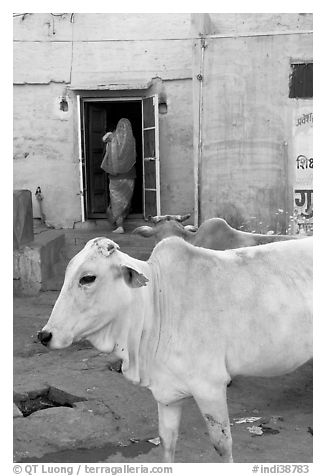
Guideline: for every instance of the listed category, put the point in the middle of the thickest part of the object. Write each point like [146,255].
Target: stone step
[134,245]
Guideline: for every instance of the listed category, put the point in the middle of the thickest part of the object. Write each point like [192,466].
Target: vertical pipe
[286,187]
[200,78]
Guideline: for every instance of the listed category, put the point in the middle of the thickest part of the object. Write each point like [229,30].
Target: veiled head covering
[120,154]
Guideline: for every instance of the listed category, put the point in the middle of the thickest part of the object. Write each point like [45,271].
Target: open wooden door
[97,181]
[151,157]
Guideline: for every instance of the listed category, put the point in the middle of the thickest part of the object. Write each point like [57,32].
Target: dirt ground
[115,419]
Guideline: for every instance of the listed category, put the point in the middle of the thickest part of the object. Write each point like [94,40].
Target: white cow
[189,319]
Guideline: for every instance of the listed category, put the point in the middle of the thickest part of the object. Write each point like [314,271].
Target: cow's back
[217,234]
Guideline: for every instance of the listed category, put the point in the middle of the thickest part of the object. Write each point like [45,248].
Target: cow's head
[165,226]
[98,299]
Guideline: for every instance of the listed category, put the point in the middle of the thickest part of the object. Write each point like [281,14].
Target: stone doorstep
[38,262]
[102,224]
[136,246]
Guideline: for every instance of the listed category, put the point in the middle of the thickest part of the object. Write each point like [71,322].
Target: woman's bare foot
[118,230]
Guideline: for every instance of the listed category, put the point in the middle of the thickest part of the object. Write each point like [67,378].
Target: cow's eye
[87,279]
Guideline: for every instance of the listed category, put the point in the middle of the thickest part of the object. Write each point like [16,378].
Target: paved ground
[114,412]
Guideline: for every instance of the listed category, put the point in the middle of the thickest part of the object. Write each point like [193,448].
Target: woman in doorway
[119,163]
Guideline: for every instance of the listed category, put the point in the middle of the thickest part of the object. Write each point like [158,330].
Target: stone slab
[39,263]
[22,218]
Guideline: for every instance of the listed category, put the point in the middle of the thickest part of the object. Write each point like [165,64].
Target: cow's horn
[182,218]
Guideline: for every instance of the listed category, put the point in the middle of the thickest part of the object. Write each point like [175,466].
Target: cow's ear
[145,231]
[133,277]
[191,228]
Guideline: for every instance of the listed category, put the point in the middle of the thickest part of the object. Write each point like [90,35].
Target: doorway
[98,115]
[99,118]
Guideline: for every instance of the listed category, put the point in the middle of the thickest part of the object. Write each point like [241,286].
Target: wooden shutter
[151,158]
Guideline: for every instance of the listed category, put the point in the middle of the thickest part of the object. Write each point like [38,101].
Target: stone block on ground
[39,266]
[22,218]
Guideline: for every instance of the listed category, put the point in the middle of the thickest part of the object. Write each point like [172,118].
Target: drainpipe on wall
[286,228]
[200,77]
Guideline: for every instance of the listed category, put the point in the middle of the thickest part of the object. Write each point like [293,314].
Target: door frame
[81,155]
[81,101]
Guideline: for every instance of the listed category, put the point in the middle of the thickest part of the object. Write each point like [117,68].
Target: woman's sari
[121,192]
[120,153]
[119,162]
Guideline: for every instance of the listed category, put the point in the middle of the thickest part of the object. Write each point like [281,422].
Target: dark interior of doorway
[111,112]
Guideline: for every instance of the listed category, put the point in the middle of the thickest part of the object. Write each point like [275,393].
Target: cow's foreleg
[215,412]
[169,420]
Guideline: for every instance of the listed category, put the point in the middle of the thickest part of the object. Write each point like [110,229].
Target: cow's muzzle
[44,337]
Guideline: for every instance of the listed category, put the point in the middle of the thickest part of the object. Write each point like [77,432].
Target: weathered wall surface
[246,171]
[176,149]
[43,152]
[246,23]
[247,117]
[54,53]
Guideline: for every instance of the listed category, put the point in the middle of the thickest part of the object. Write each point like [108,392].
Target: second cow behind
[215,233]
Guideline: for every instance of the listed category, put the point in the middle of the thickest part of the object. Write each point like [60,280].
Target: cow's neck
[150,338]
[135,334]
[139,335]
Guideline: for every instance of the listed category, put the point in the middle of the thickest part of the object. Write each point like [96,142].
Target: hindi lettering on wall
[303,179]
